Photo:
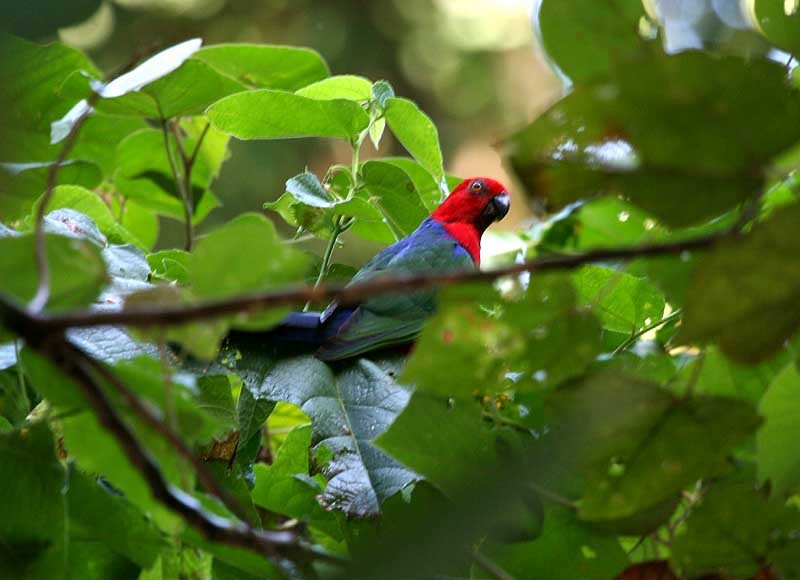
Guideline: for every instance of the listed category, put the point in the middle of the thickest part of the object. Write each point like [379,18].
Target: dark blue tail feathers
[307,328]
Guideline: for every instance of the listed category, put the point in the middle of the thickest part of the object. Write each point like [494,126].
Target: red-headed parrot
[447,241]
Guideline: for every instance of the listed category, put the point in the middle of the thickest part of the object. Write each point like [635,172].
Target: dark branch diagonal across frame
[89,375]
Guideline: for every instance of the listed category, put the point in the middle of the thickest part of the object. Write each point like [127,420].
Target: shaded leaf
[586,39]
[286,488]
[566,550]
[663,151]
[33,526]
[780,408]
[745,294]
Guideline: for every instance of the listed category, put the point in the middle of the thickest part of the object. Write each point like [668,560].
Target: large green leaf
[21,184]
[348,87]
[745,294]
[779,22]
[29,99]
[634,445]
[686,152]
[270,114]
[42,18]
[91,205]
[736,531]
[98,514]
[33,526]
[188,90]
[624,303]
[566,550]
[77,271]
[144,175]
[349,407]
[394,193]
[417,133]
[221,266]
[443,441]
[264,66]
[585,39]
[286,488]
[780,408]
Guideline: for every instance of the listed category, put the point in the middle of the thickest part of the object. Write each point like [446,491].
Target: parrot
[446,241]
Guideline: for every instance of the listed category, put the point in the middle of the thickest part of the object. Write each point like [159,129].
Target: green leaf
[736,531]
[417,133]
[624,303]
[567,549]
[443,441]
[77,271]
[780,408]
[188,90]
[43,18]
[89,203]
[145,176]
[586,39]
[264,66]
[141,222]
[349,407]
[394,193]
[98,514]
[429,191]
[286,488]
[21,184]
[268,114]
[170,265]
[635,445]
[220,266]
[29,100]
[745,294]
[779,22]
[352,88]
[684,154]
[33,526]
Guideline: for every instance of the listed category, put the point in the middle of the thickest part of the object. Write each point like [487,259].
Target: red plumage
[463,212]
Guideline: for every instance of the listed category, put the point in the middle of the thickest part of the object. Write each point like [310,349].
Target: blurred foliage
[594,423]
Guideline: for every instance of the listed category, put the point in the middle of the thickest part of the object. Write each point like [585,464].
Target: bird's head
[472,207]
[478,201]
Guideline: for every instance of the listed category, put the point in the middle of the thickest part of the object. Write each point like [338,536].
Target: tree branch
[43,289]
[164,430]
[153,316]
[88,374]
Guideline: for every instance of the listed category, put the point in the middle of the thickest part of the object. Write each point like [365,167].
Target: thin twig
[184,191]
[148,316]
[637,335]
[167,432]
[84,371]
[490,567]
[42,295]
[193,157]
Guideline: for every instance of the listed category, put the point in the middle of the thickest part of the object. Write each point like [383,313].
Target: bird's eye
[477,186]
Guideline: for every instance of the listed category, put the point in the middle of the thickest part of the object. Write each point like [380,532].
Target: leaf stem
[490,566]
[42,267]
[183,183]
[338,221]
[637,335]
